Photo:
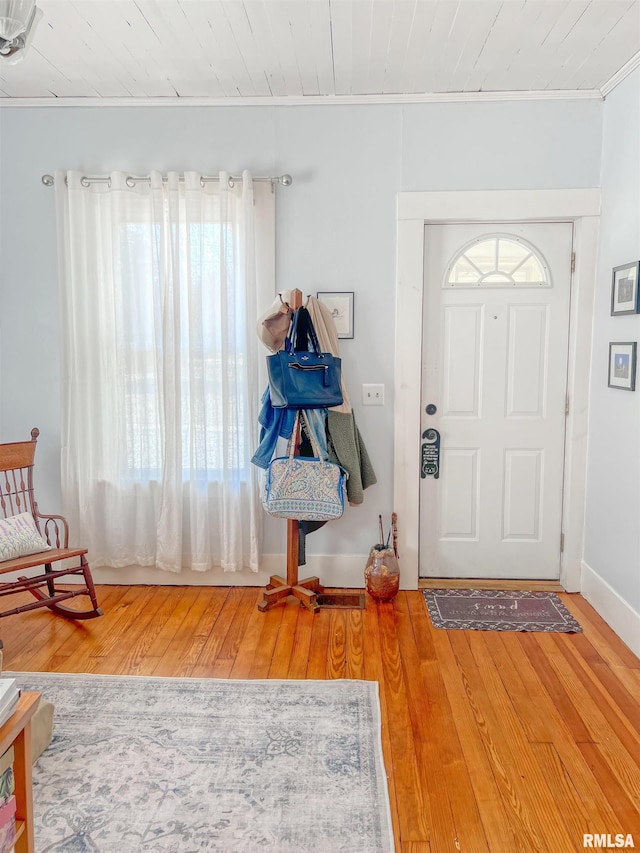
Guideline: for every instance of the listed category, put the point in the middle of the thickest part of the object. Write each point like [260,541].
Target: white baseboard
[615,611]
[344,571]
[149,576]
[334,570]
[347,572]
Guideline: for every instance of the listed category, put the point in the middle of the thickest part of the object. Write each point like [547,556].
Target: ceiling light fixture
[18,21]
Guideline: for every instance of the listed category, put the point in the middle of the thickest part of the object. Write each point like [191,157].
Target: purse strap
[292,441]
[292,336]
[311,329]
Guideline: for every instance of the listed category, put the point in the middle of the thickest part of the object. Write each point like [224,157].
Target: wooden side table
[17,732]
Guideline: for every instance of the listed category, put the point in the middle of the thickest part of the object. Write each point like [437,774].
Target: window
[162,281]
[498,261]
[207,375]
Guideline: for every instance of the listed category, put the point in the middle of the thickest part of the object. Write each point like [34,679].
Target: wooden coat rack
[279,589]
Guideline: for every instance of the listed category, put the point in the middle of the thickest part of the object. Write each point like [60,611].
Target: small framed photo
[341,306]
[624,289]
[622,366]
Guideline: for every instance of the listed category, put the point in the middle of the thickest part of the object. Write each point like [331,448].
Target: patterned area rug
[498,610]
[187,765]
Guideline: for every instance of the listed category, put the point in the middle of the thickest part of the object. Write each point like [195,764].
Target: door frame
[415,211]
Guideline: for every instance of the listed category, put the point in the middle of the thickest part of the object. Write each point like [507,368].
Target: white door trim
[580,206]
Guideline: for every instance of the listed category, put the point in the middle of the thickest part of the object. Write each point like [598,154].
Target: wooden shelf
[16,732]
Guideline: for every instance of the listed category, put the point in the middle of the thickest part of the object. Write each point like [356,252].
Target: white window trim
[415,209]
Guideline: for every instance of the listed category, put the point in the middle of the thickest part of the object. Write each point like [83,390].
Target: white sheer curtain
[160,370]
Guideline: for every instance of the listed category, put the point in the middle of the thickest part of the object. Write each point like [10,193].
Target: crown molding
[620,75]
[309,100]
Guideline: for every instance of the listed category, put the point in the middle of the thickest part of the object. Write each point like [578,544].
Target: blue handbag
[308,379]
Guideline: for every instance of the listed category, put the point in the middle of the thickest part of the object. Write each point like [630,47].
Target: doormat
[343,600]
[498,610]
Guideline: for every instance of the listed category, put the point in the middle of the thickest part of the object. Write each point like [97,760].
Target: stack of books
[7,803]
[9,695]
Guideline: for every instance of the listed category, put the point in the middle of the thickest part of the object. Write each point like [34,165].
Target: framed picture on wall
[622,366]
[340,303]
[624,289]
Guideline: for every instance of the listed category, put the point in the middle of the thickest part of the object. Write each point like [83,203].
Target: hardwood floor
[499,742]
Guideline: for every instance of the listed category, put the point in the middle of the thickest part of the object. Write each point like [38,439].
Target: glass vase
[382,574]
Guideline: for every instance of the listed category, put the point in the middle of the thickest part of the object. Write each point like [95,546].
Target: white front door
[494,370]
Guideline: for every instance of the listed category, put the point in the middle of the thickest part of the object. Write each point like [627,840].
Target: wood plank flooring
[493,742]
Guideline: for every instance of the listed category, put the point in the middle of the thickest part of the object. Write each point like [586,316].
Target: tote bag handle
[292,338]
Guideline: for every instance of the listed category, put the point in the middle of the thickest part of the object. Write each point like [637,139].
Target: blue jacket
[276,423]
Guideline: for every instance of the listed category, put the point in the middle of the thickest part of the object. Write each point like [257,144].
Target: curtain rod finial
[286,180]
[47,180]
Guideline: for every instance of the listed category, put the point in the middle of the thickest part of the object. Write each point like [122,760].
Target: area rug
[498,610]
[188,765]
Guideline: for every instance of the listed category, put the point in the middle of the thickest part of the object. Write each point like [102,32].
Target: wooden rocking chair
[17,496]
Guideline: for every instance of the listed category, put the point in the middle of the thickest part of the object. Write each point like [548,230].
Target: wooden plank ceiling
[305,48]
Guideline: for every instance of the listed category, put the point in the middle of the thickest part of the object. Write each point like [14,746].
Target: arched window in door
[498,260]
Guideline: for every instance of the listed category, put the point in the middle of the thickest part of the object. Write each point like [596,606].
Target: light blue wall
[335,226]
[501,146]
[612,541]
